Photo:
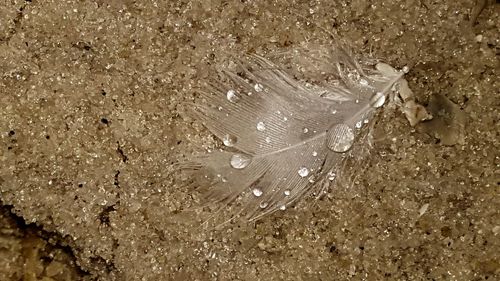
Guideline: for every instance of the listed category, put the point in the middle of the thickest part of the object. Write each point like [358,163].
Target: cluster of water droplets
[221,178]
[339,138]
[233,96]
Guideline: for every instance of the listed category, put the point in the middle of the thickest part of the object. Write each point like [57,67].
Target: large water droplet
[258,87]
[263,205]
[231,96]
[340,138]
[229,140]
[303,172]
[287,192]
[257,192]
[315,153]
[305,130]
[377,100]
[240,161]
[282,207]
[261,126]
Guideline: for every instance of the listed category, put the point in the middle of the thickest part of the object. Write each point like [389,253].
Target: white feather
[282,136]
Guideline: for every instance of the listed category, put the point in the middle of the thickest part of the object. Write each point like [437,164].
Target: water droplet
[231,96]
[240,161]
[305,130]
[312,179]
[258,87]
[263,205]
[406,69]
[257,192]
[229,140]
[340,138]
[268,139]
[219,108]
[303,172]
[315,153]
[377,100]
[366,121]
[261,126]
[359,124]
[363,82]
[333,109]
[285,118]
[287,192]
[331,175]
[282,207]
[223,179]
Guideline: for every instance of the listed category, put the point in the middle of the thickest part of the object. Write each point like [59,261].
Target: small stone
[423,209]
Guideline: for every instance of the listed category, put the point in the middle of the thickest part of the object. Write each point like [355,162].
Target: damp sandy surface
[91,122]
